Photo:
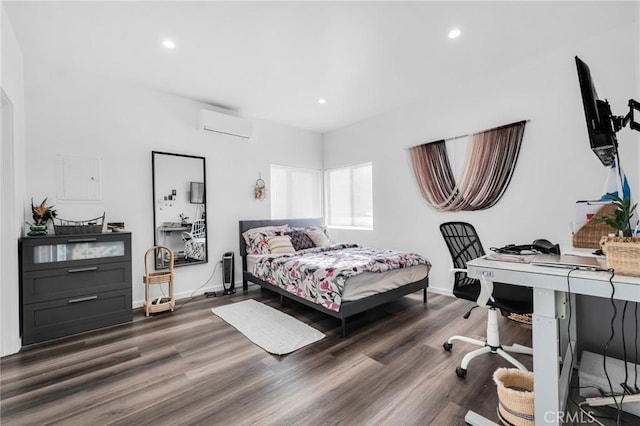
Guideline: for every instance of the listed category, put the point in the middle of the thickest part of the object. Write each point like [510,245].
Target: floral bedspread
[319,274]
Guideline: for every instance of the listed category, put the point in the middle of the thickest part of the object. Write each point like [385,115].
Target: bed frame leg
[282,300]
[424,295]
[344,328]
[245,285]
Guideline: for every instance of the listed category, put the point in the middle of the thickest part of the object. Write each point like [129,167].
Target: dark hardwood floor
[190,367]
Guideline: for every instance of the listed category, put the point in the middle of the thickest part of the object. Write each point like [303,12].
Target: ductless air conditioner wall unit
[212,121]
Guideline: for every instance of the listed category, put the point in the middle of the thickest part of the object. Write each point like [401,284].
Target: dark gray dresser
[74,283]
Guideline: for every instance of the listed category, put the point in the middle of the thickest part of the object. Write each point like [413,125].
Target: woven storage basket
[623,254]
[589,235]
[515,396]
[523,318]
[79,227]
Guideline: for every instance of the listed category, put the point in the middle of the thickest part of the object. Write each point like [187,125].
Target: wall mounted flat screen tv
[598,115]
[197,193]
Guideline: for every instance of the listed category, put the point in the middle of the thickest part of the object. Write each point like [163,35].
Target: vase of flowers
[42,215]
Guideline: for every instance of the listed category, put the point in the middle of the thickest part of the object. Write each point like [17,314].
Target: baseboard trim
[185,295]
[10,349]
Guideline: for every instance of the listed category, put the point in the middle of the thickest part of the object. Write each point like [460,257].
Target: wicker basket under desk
[515,396]
[590,234]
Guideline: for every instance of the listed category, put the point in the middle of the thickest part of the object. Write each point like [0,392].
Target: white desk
[551,385]
[170,236]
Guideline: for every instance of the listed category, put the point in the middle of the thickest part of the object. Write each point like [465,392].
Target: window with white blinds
[349,196]
[295,192]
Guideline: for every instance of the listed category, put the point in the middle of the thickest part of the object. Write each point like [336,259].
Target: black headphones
[541,246]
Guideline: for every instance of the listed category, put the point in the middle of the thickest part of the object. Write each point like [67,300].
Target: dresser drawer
[56,318]
[49,284]
[50,251]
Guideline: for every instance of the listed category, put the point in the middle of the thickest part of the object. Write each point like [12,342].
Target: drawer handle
[87,269]
[82,240]
[83,299]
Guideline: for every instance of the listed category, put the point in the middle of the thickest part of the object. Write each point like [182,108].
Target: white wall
[12,153]
[555,167]
[73,113]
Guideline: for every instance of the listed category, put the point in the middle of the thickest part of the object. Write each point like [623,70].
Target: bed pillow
[256,238]
[320,228]
[319,238]
[280,244]
[300,240]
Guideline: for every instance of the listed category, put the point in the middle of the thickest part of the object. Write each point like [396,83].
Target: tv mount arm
[619,121]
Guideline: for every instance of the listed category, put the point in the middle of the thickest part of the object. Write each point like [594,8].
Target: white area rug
[272,330]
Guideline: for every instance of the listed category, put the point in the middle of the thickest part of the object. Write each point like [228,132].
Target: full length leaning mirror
[179,198]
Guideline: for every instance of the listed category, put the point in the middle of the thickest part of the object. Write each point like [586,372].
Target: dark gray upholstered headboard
[245,225]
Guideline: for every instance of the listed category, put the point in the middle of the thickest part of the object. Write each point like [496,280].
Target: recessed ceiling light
[168,44]
[454,33]
[322,101]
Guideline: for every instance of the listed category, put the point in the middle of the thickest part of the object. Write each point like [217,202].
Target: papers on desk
[516,258]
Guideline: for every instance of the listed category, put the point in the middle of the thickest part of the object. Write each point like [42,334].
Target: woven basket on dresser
[623,254]
[79,227]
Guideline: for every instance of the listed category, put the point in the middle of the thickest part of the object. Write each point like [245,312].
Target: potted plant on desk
[41,215]
[623,250]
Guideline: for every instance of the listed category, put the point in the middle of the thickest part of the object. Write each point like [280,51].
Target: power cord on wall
[606,346]
[215,268]
[570,312]
[627,389]
[635,383]
[572,349]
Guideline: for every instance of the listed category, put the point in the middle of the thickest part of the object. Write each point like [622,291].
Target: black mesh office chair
[464,245]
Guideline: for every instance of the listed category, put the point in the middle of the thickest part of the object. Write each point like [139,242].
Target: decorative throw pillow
[256,238]
[319,238]
[300,240]
[280,244]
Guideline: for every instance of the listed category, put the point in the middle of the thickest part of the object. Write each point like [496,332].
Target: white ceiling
[274,60]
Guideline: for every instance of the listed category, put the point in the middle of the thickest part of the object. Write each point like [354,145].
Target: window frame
[327,201]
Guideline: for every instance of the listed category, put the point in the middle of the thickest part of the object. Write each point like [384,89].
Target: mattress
[368,283]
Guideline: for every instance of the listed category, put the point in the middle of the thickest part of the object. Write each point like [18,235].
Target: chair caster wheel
[461,372]
[447,346]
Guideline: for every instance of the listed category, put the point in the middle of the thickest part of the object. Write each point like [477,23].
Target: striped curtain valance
[490,162]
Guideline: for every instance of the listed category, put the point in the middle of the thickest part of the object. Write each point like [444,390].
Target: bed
[361,292]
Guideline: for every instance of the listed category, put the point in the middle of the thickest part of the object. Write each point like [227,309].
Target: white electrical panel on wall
[80,179]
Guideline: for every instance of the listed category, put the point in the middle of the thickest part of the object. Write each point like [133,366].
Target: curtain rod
[471,134]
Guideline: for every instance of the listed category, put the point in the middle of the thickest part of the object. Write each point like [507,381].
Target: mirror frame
[153,190]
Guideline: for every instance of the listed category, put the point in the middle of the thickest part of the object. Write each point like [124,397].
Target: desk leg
[568,362]
[545,358]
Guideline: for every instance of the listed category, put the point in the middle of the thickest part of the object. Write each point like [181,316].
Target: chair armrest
[452,273]
[486,288]
[486,293]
